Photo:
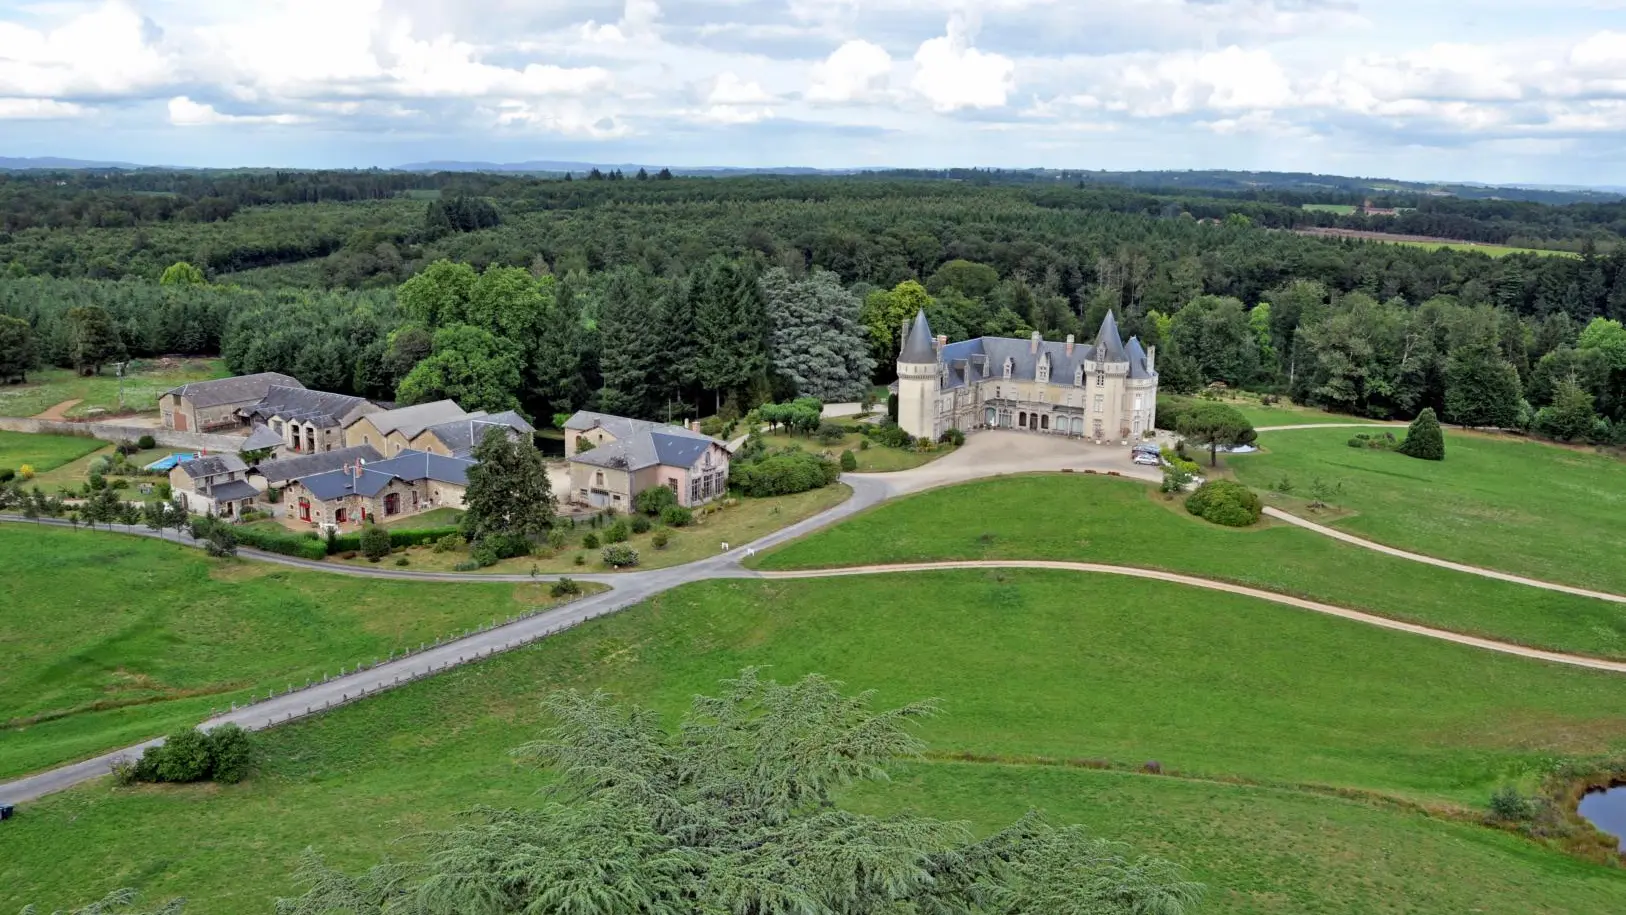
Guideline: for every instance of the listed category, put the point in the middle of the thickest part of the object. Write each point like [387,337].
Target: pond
[1605,808]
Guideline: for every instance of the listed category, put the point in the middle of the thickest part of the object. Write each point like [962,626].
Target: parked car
[1148,458]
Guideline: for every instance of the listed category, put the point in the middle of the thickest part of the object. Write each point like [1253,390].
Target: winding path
[986,455]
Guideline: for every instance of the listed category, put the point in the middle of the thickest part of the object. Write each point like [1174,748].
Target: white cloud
[39,109]
[856,71]
[1227,80]
[951,74]
[183,112]
[729,89]
[103,52]
[638,18]
[567,117]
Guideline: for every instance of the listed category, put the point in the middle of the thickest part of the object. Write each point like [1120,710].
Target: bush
[491,549]
[375,542]
[118,484]
[344,543]
[184,757]
[620,556]
[952,437]
[653,499]
[1224,502]
[891,435]
[7,474]
[616,533]
[1424,439]
[1509,806]
[830,433]
[579,559]
[402,560]
[450,543]
[282,542]
[849,462]
[220,540]
[232,753]
[676,516]
[660,540]
[1170,410]
[863,444]
[641,524]
[785,473]
[557,538]
[467,565]
[590,541]
[565,587]
[1384,442]
[146,443]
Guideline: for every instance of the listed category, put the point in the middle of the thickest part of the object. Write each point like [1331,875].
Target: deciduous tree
[1214,424]
[18,354]
[508,493]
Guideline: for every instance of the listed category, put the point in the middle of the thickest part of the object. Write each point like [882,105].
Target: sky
[1530,91]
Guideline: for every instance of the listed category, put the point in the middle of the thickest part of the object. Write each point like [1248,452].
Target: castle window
[1139,402]
[1044,369]
[1010,364]
[1100,402]
[1078,376]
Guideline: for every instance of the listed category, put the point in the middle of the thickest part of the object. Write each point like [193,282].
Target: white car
[1148,459]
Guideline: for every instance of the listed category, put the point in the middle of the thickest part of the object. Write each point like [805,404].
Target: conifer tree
[1481,388]
[508,493]
[1423,437]
[630,347]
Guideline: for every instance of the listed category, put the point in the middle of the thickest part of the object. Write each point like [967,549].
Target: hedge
[351,543]
[285,542]
[1224,502]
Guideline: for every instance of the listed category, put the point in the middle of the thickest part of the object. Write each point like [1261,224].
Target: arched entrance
[1021,420]
[1044,423]
[989,416]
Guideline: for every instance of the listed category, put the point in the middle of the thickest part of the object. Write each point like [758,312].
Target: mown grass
[1509,504]
[1027,663]
[1097,519]
[43,452]
[1491,250]
[145,381]
[875,459]
[110,639]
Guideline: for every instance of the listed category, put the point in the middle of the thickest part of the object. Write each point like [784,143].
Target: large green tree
[731,330]
[1213,425]
[818,340]
[508,494]
[1481,388]
[1570,417]
[735,811]
[93,338]
[468,365]
[884,313]
[630,354]
[1214,332]
[17,351]
[439,294]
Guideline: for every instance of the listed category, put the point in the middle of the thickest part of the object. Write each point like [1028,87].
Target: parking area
[998,451]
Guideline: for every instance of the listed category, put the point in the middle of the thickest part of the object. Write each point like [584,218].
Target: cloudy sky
[1490,90]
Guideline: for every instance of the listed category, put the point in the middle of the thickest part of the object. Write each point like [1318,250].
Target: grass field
[875,459]
[44,452]
[1492,250]
[1282,413]
[146,381]
[1267,701]
[1098,519]
[122,638]
[1509,504]
[736,524]
[1342,209]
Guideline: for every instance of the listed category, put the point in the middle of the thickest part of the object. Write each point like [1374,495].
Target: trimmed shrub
[282,542]
[660,540]
[375,542]
[232,753]
[953,437]
[676,516]
[616,533]
[620,556]
[849,462]
[641,524]
[184,757]
[7,474]
[580,559]
[1224,502]
[146,443]
[652,500]
[590,542]
[1424,439]
[467,565]
[344,543]
[830,433]
[565,587]
[785,473]
[1170,410]
[450,543]
[402,560]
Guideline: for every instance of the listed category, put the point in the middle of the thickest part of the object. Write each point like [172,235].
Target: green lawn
[146,381]
[1282,413]
[1509,504]
[1342,209]
[435,517]
[1268,700]
[44,452]
[877,458]
[121,638]
[1492,250]
[1099,519]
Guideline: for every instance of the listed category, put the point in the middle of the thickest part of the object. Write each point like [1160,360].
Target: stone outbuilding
[206,406]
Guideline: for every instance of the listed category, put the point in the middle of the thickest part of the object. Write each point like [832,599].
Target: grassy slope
[122,638]
[1026,663]
[43,452]
[142,388]
[1513,505]
[1097,519]
[874,459]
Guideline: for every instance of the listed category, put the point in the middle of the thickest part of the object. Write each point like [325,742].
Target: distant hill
[8,163]
[556,167]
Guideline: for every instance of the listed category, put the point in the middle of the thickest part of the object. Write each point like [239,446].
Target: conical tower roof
[1109,345]
[918,347]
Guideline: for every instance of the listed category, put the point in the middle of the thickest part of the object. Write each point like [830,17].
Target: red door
[180,421]
[304,510]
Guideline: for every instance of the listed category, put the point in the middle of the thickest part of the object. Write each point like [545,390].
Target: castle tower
[918,381]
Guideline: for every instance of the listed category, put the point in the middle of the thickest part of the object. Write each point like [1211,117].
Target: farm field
[147,380]
[1257,712]
[44,452]
[1432,244]
[1097,519]
[124,638]
[742,522]
[875,459]
[1342,209]
[1509,504]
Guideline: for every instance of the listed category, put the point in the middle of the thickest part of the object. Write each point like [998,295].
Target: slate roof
[918,347]
[461,435]
[241,389]
[319,408]
[972,361]
[639,443]
[304,465]
[411,421]
[232,491]
[261,437]
[371,478]
[212,465]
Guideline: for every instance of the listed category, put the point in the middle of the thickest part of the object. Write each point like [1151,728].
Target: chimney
[1151,358]
[1069,344]
[1033,344]
[942,341]
[903,335]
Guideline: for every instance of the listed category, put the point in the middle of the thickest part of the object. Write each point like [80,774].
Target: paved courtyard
[1000,451]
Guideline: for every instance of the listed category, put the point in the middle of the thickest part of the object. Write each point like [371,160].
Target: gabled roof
[212,465]
[233,490]
[411,421]
[639,443]
[304,465]
[241,389]
[461,435]
[412,465]
[336,484]
[918,347]
[261,437]
[318,408]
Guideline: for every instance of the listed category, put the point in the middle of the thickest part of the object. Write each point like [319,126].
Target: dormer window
[1044,369]
[1078,376]
[1010,366]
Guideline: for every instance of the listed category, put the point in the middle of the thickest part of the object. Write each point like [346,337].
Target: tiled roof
[461,435]
[241,389]
[424,465]
[212,465]
[410,421]
[371,478]
[918,347]
[318,408]
[304,465]
[233,490]
[639,443]
[261,437]
[964,361]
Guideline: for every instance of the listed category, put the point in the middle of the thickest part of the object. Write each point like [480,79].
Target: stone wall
[113,432]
